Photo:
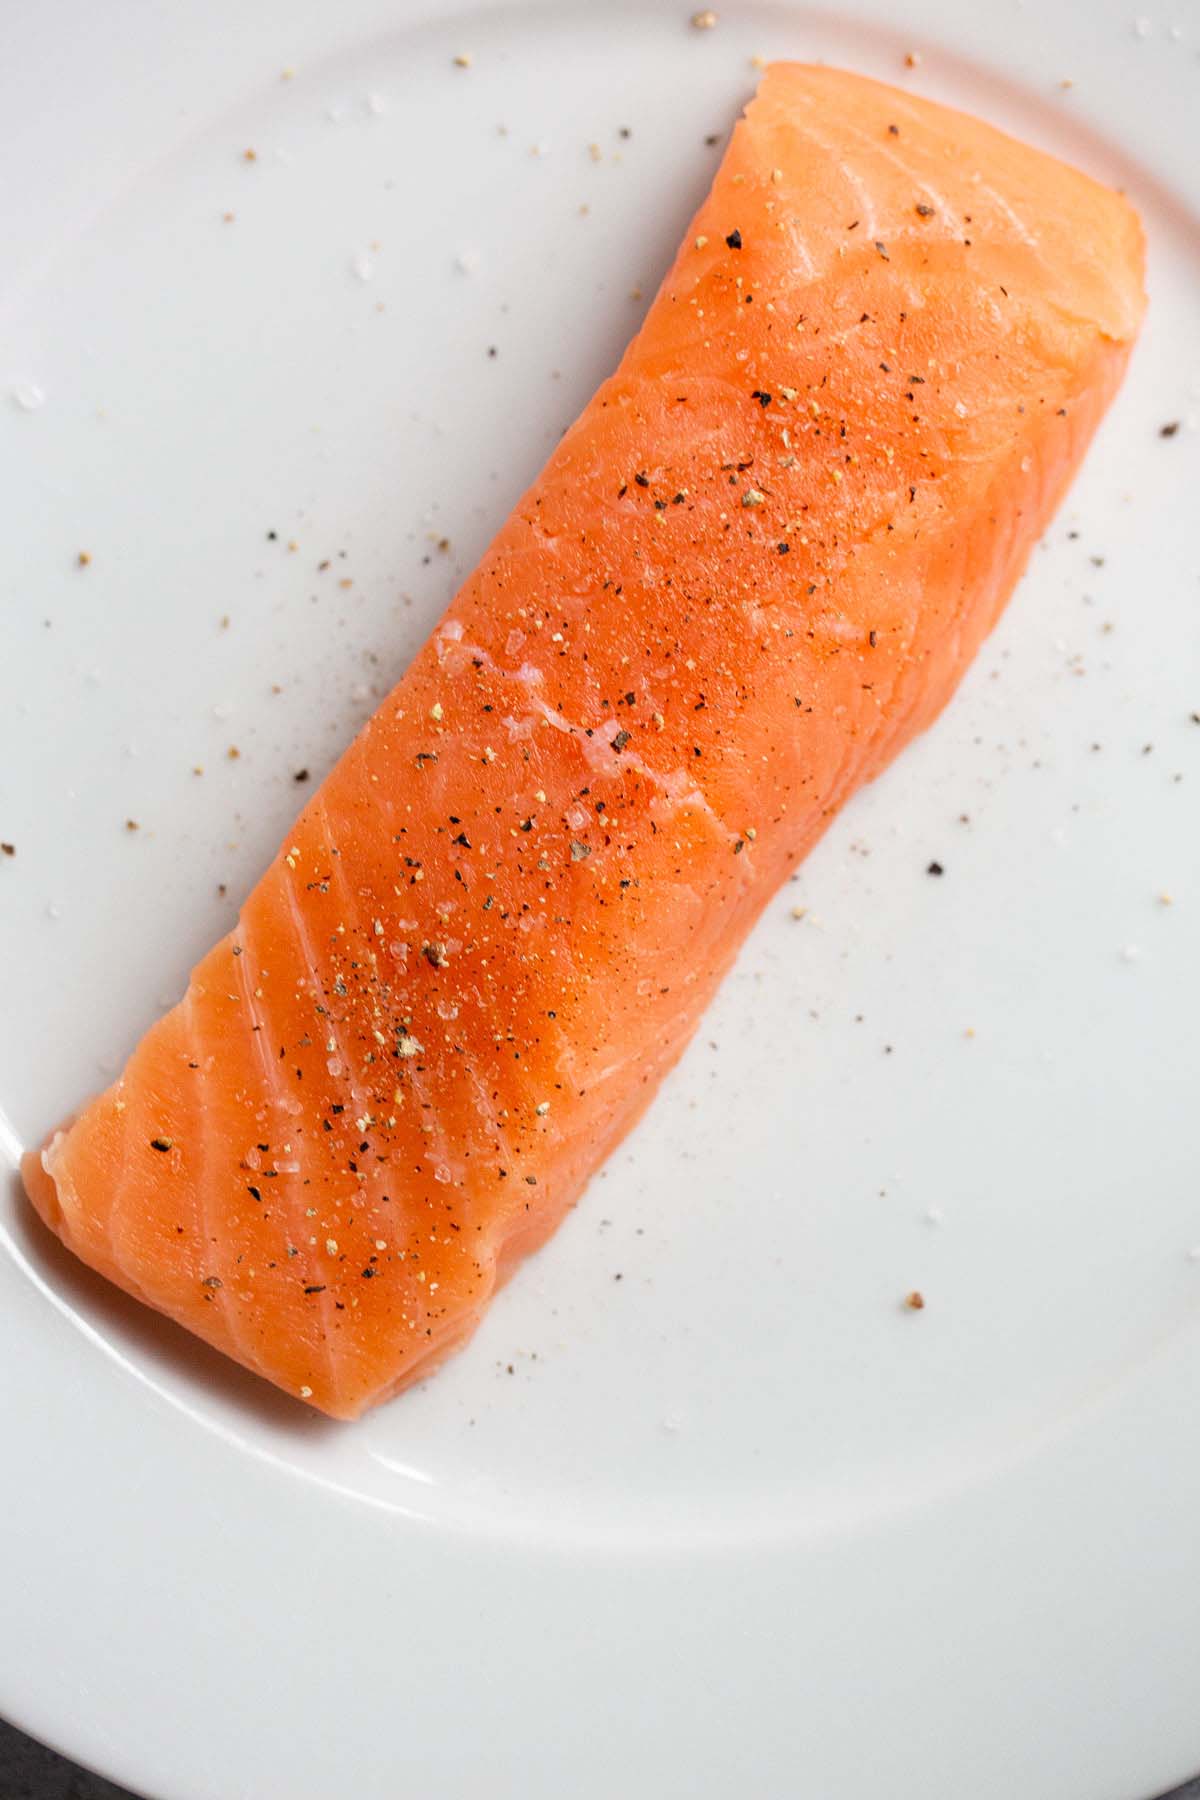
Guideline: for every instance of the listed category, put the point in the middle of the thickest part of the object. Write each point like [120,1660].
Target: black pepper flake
[782,549]
[462,839]
[526,824]
[1170,428]
[160,1143]
[643,480]
[620,740]
[212,1281]
[935,868]
[316,1287]
[368,1274]
[8,849]
[882,249]
[872,638]
[300,775]
[531,1181]
[924,211]
[253,1192]
[764,399]
[734,240]
[893,131]
[489,903]
[739,846]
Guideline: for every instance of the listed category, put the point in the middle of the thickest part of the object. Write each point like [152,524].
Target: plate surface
[702,1510]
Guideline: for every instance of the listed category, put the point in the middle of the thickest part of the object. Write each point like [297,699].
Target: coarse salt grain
[28,396]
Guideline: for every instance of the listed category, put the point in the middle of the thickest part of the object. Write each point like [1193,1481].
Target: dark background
[29,1772]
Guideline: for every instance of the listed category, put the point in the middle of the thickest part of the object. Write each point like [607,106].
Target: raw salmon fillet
[758,563]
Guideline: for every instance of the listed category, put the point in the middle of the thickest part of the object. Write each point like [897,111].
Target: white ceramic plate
[736,1523]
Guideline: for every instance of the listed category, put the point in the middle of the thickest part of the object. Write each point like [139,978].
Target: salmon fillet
[756,565]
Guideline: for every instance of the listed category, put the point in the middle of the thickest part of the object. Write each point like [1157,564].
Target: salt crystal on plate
[28,396]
